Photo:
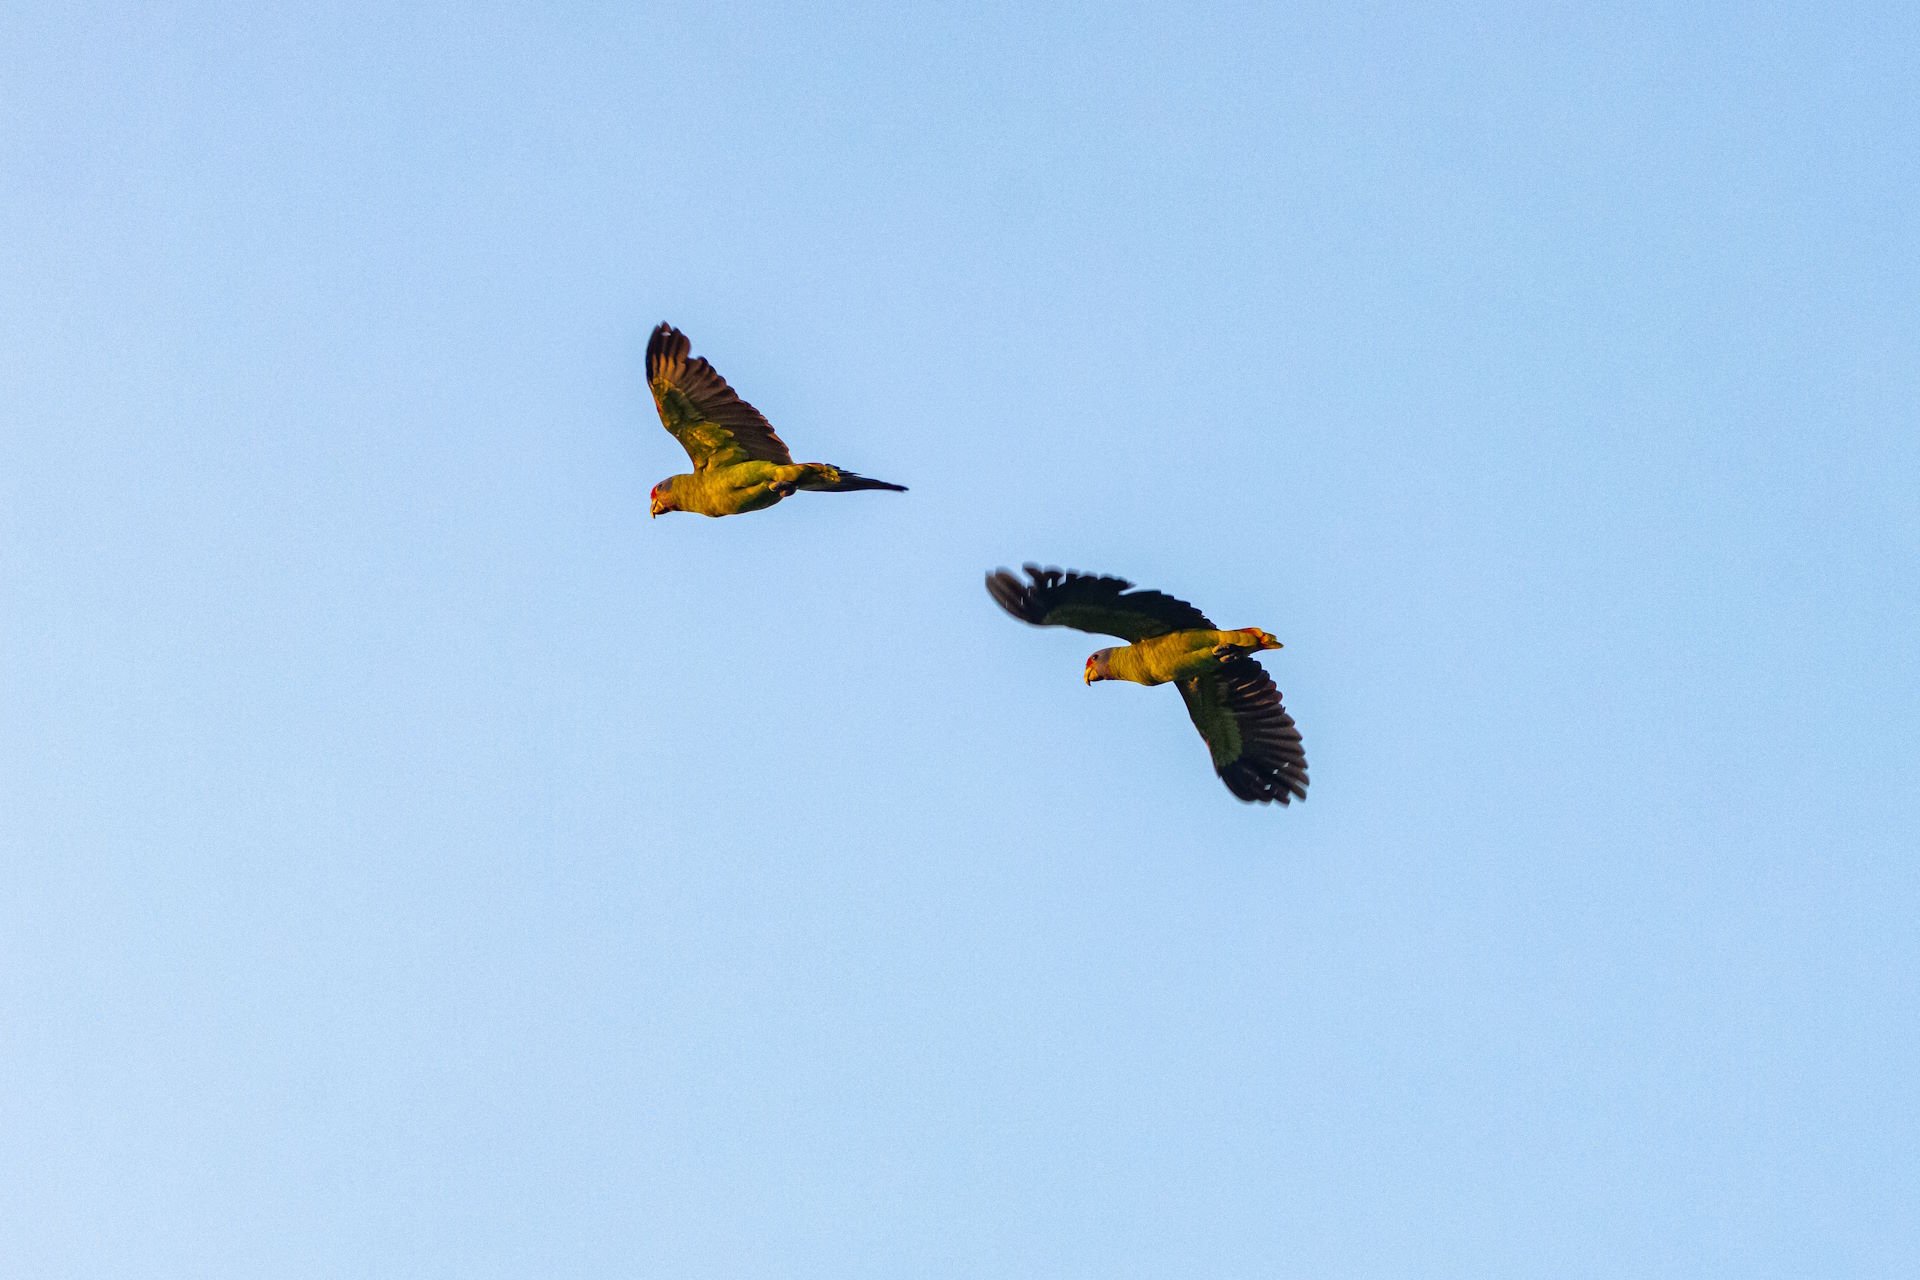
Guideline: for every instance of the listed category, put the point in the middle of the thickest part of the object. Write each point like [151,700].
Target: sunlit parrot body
[752,486]
[1232,700]
[739,464]
[1177,656]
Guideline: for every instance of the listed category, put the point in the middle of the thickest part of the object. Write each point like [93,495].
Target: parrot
[739,464]
[1232,700]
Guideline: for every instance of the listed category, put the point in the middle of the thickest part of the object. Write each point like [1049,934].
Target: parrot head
[1097,666]
[661,499]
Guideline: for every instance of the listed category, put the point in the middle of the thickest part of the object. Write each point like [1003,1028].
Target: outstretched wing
[1086,602]
[716,427]
[1256,750]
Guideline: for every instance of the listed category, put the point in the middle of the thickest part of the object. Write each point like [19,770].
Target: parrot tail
[823,478]
[1248,639]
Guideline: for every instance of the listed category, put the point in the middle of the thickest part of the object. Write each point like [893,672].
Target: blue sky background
[416,863]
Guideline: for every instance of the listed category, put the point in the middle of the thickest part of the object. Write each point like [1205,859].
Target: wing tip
[1024,599]
[1033,601]
[665,345]
[1013,595]
[1265,781]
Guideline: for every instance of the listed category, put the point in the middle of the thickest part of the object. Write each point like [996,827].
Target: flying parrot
[739,464]
[1256,750]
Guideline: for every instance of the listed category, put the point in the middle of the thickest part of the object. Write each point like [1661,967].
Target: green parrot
[1256,750]
[739,464]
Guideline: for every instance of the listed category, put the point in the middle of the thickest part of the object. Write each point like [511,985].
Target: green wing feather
[1087,602]
[716,427]
[1255,746]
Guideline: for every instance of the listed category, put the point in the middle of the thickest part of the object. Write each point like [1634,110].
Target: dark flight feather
[1087,602]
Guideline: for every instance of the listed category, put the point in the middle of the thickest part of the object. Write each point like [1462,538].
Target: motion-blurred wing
[1085,602]
[716,427]
[1256,749]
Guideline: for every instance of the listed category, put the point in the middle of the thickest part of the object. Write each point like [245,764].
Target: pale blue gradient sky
[416,863]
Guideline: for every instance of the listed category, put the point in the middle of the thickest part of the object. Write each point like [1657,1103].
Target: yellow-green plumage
[1180,655]
[749,486]
[739,464]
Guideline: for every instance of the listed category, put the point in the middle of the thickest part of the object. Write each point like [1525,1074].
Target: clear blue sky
[418,863]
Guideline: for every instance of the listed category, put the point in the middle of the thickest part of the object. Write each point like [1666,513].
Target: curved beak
[1089,673]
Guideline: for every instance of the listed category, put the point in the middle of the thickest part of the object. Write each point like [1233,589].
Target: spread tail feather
[1246,640]
[822,478]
